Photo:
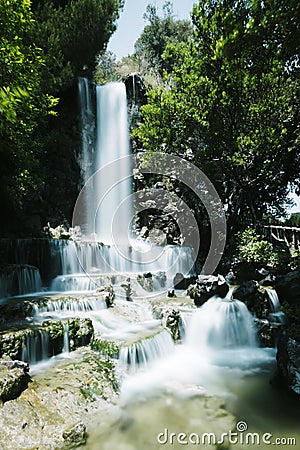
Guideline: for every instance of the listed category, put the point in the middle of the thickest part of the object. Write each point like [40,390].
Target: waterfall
[221,323]
[70,305]
[20,280]
[147,350]
[277,317]
[66,346]
[273,299]
[114,183]
[37,347]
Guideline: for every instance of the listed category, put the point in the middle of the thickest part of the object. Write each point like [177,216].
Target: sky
[131,23]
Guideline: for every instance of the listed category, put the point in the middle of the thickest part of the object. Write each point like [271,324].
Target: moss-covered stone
[81,332]
[56,331]
[12,343]
[107,349]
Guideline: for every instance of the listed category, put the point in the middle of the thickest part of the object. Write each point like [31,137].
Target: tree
[231,104]
[22,106]
[155,37]
[72,34]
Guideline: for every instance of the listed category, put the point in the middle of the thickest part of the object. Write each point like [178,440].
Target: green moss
[55,329]
[107,349]
[12,343]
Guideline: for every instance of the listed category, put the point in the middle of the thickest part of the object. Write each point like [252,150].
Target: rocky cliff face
[288,362]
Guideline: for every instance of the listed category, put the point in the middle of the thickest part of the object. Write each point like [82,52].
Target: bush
[252,249]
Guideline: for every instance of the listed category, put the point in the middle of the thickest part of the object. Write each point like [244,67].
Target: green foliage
[107,349]
[252,249]
[106,68]
[293,220]
[161,32]
[229,103]
[44,46]
[23,105]
[71,36]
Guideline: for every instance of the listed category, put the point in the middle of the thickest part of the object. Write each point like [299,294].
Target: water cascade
[114,184]
[107,196]
[276,317]
[147,350]
[71,306]
[20,279]
[37,347]
[222,323]
[274,300]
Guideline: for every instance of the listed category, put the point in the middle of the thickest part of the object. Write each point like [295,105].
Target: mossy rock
[81,332]
[12,343]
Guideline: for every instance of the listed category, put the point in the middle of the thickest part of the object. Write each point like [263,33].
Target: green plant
[252,249]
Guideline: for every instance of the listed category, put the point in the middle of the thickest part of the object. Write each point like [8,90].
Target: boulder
[206,287]
[14,378]
[254,296]
[288,287]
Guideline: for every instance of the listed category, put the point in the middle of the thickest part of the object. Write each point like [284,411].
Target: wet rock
[171,293]
[109,294]
[55,331]
[181,282]
[206,287]
[126,285]
[265,333]
[288,362]
[14,378]
[15,310]
[288,287]
[251,293]
[55,408]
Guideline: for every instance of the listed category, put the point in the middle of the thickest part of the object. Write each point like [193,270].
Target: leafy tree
[22,106]
[72,33]
[231,104]
[155,37]
[106,68]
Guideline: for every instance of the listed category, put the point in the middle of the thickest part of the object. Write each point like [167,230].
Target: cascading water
[274,300]
[37,347]
[147,350]
[114,185]
[221,323]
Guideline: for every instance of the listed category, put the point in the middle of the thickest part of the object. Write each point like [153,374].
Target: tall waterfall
[114,181]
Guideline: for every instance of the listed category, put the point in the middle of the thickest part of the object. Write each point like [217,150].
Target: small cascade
[147,350]
[273,300]
[184,321]
[70,305]
[277,317]
[66,346]
[37,347]
[73,283]
[20,280]
[222,323]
